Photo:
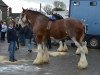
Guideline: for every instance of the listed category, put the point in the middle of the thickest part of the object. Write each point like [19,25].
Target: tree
[48,9]
[59,6]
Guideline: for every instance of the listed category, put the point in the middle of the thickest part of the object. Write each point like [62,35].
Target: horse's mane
[36,12]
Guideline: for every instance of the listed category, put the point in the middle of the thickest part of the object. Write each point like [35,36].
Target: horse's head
[23,17]
[31,17]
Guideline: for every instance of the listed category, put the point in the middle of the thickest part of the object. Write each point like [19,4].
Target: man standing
[12,38]
[28,37]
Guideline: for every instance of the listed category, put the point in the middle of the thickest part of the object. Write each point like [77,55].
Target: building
[3,10]
[14,16]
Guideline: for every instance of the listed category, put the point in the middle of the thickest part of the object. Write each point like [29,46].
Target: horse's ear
[23,9]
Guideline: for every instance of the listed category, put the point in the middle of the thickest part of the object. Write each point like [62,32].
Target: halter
[22,17]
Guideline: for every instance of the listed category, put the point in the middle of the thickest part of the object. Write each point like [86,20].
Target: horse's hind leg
[83,61]
[84,45]
[65,48]
[62,47]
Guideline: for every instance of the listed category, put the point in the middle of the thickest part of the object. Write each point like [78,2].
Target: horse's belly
[58,36]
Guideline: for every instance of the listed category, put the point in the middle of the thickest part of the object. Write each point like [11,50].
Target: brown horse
[59,29]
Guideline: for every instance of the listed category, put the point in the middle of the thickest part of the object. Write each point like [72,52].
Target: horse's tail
[84,29]
[81,33]
[83,37]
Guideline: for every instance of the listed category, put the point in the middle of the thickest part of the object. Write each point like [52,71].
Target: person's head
[1,22]
[4,23]
[11,23]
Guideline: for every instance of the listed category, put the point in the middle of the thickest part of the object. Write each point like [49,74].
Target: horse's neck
[35,19]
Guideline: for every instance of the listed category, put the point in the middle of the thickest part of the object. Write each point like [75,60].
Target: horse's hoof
[65,50]
[40,63]
[59,50]
[82,65]
[37,63]
[46,62]
[62,50]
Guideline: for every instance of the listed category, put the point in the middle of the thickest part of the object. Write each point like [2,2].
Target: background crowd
[16,36]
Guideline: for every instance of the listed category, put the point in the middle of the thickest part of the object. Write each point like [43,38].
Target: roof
[3,4]
[14,15]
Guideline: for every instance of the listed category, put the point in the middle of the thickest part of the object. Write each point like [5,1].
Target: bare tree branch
[59,5]
[48,9]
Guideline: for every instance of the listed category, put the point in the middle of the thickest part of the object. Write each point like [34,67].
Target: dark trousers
[49,43]
[11,49]
[17,44]
[22,40]
[3,36]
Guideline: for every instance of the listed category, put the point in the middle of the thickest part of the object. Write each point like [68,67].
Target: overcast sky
[17,5]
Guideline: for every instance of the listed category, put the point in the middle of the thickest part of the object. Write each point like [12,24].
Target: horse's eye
[22,14]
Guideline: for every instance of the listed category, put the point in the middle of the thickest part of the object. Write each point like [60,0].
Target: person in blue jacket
[11,38]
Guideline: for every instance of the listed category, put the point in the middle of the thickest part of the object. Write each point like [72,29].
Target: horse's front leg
[39,58]
[42,55]
[46,54]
